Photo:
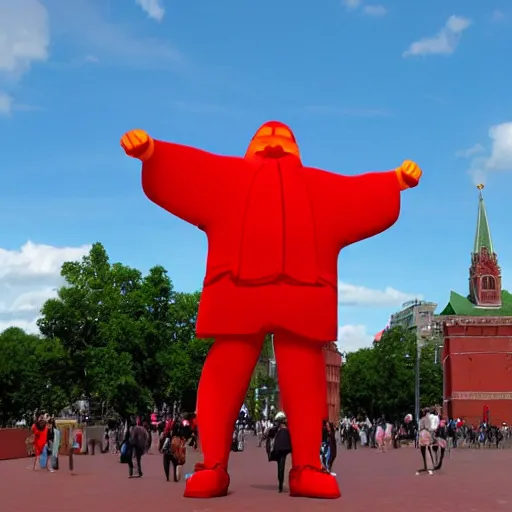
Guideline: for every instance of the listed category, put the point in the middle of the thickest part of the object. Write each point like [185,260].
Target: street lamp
[421,334]
[417,380]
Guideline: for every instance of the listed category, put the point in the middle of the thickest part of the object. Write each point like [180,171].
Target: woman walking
[113,436]
[325,449]
[174,449]
[425,441]
[52,446]
[442,443]
[279,446]
[40,433]
[333,449]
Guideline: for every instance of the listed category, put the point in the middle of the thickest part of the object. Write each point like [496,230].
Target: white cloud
[24,39]
[5,104]
[472,151]
[445,42]
[354,337]
[351,4]
[501,153]
[352,295]
[88,26]
[91,59]
[499,156]
[153,8]
[28,277]
[375,10]
[24,35]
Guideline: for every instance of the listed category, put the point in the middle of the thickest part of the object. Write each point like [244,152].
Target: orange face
[274,140]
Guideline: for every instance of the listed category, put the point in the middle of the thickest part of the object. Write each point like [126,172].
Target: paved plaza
[472,481]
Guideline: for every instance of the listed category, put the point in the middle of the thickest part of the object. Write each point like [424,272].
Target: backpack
[178,450]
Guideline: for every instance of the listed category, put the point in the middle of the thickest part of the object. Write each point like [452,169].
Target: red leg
[303,386]
[224,381]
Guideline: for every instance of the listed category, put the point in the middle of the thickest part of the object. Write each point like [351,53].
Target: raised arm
[185,181]
[370,203]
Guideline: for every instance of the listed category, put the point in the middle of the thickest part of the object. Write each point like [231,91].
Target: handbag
[125,453]
[43,458]
[271,453]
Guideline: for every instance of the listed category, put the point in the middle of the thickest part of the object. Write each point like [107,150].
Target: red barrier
[12,443]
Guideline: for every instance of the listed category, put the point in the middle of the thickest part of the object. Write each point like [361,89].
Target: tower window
[488,283]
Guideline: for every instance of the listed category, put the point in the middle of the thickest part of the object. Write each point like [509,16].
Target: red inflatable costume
[275,229]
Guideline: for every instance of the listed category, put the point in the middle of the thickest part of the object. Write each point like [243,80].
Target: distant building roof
[459,305]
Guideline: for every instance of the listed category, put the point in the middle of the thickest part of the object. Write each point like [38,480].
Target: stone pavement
[472,481]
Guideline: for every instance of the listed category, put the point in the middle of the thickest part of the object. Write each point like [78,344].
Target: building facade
[417,315]
[477,330]
[333,361]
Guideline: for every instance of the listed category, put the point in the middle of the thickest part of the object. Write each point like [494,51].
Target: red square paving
[471,481]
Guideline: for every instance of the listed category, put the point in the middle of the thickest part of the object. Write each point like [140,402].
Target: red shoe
[311,482]
[207,483]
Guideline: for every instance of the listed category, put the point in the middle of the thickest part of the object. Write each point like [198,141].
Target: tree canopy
[381,380]
[121,340]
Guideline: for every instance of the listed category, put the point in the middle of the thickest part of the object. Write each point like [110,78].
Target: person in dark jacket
[279,446]
[137,439]
[333,449]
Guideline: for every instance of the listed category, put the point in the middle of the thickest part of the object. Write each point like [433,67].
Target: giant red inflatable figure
[275,229]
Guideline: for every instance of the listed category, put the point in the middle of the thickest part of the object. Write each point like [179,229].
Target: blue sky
[364,86]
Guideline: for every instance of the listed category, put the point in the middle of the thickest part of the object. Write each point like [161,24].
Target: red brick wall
[12,443]
[472,410]
[478,371]
[332,369]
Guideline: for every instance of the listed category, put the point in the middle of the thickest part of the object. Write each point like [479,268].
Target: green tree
[13,358]
[381,380]
[396,354]
[34,373]
[95,316]
[130,338]
[431,373]
[360,383]
[261,379]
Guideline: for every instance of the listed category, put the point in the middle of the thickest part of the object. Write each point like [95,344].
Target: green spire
[483,233]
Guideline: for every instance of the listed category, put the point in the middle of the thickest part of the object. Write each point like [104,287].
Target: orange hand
[138,144]
[408,175]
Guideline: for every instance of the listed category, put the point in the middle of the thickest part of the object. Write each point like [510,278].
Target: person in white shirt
[434,419]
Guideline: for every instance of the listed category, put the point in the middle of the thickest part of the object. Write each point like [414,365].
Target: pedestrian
[279,446]
[425,441]
[174,449]
[137,440]
[333,450]
[40,433]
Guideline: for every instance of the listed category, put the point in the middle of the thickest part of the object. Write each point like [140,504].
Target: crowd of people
[132,438]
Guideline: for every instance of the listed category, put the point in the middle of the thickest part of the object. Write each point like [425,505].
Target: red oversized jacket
[275,229]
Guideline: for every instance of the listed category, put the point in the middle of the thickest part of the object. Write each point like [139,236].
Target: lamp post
[417,379]
[422,333]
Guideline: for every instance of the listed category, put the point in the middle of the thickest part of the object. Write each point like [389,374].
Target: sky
[363,85]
